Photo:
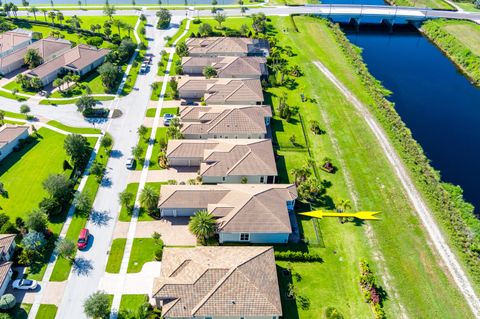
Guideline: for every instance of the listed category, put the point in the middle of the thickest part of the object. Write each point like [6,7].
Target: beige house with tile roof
[249,213]
[5,275]
[221,91]
[48,49]
[226,46]
[7,246]
[13,40]
[230,122]
[218,283]
[10,136]
[78,60]
[250,67]
[226,161]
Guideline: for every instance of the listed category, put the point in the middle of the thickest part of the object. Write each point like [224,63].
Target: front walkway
[134,283]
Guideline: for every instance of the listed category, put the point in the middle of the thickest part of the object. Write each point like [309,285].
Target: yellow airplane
[359,215]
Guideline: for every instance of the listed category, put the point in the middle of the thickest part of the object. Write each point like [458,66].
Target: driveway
[180,174]
[52,293]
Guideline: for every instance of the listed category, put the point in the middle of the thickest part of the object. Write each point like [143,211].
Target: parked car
[24,284]
[130,162]
[143,68]
[83,239]
[167,118]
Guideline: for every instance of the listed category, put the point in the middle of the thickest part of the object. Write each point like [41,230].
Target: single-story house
[48,49]
[230,122]
[10,136]
[7,246]
[221,91]
[13,40]
[78,60]
[218,283]
[248,213]
[5,275]
[227,46]
[225,160]
[249,67]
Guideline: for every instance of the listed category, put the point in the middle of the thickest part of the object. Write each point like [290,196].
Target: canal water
[438,103]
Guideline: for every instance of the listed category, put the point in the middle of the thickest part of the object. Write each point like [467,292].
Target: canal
[438,103]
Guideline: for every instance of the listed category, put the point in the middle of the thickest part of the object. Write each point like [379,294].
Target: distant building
[48,49]
[227,67]
[233,122]
[221,91]
[218,283]
[78,60]
[248,213]
[226,161]
[10,135]
[226,46]
[13,40]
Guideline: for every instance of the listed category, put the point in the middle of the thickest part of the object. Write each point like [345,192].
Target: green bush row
[446,200]
[459,53]
[297,256]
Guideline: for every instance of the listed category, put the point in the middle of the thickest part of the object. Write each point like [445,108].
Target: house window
[262,179]
[223,178]
[244,237]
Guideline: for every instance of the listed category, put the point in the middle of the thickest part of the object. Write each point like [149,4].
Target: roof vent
[233,302]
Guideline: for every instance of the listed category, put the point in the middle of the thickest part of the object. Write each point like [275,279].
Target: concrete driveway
[180,174]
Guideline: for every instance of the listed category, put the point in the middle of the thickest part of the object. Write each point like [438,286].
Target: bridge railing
[366,6]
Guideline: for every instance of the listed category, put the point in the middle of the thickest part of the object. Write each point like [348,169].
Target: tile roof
[226,46]
[224,119]
[218,281]
[13,38]
[230,66]
[45,48]
[76,58]
[6,241]
[227,157]
[9,133]
[4,268]
[254,207]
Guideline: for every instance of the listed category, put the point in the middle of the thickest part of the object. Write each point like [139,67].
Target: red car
[83,239]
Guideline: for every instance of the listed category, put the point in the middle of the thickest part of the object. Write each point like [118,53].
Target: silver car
[24,284]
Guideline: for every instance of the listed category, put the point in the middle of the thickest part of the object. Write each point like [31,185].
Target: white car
[130,162]
[24,284]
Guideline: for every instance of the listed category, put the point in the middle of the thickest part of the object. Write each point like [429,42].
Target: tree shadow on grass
[82,266]
[15,156]
[289,305]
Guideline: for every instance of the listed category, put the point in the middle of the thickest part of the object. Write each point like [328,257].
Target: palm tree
[34,11]
[108,10]
[202,225]
[149,198]
[52,16]
[60,17]
[44,11]
[343,205]
[300,174]
[117,23]
[2,117]
[128,28]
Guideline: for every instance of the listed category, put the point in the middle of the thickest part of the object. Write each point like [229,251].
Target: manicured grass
[156,93]
[76,130]
[13,85]
[283,131]
[143,141]
[73,100]
[125,213]
[93,80]
[355,151]
[143,250]
[115,256]
[46,311]
[151,112]
[168,110]
[12,96]
[14,115]
[135,69]
[132,302]
[23,172]
[468,33]
[467,6]
[21,311]
[433,4]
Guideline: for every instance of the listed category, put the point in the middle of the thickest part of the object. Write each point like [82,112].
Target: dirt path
[416,199]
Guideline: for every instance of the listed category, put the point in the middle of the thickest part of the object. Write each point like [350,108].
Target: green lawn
[433,4]
[125,213]
[14,115]
[73,100]
[76,130]
[467,6]
[143,250]
[156,93]
[13,85]
[165,110]
[93,80]
[361,162]
[47,311]
[161,133]
[132,302]
[467,32]
[115,256]
[12,96]
[21,311]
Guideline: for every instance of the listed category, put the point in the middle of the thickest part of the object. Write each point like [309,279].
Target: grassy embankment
[367,179]
[460,41]
[433,4]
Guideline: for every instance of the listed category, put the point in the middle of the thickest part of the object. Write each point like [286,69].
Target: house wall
[190,94]
[193,70]
[245,102]
[5,283]
[184,161]
[91,66]
[251,179]
[15,65]
[8,148]
[256,238]
[16,47]
[178,212]
[9,253]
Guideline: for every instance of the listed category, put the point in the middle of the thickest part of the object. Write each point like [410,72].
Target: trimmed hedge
[297,256]
[446,200]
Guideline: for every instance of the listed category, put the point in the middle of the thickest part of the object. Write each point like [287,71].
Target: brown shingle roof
[12,38]
[237,157]
[6,241]
[4,268]
[226,46]
[255,207]
[76,58]
[224,119]
[231,91]
[218,281]
[9,133]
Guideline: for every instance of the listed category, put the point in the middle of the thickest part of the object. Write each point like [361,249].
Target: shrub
[297,256]
[7,302]
[96,113]
[158,254]
[50,206]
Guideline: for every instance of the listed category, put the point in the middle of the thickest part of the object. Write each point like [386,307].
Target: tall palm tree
[52,16]
[44,11]
[117,23]
[202,225]
[149,198]
[343,205]
[34,11]
[60,17]
[128,28]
